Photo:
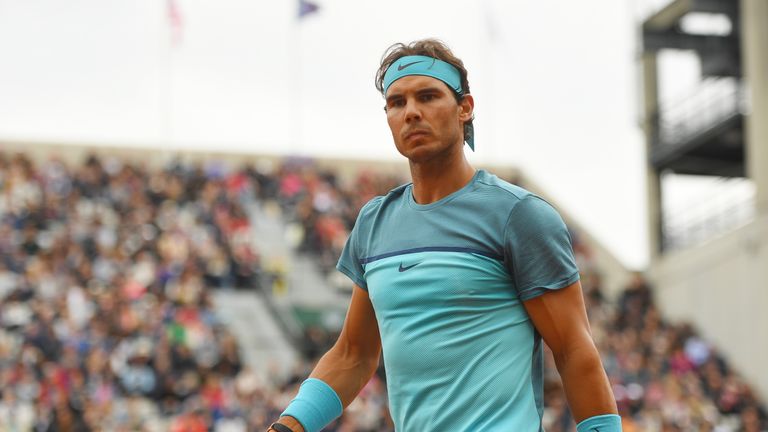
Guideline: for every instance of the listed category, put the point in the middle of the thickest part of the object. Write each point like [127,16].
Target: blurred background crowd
[107,323]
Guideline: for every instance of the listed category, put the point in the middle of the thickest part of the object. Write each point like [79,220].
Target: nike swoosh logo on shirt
[402,269]
[401,67]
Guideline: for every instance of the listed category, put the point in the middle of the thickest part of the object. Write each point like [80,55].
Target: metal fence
[727,205]
[714,101]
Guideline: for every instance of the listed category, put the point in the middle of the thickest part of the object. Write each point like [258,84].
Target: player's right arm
[353,359]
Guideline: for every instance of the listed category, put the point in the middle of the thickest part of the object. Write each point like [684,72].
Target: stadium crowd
[105,270]
[107,322]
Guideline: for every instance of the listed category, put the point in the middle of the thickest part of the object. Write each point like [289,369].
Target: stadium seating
[106,323]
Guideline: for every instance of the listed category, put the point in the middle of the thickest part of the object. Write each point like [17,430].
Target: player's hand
[291,423]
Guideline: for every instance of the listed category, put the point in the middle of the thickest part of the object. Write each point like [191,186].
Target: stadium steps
[306,285]
[293,287]
[263,346]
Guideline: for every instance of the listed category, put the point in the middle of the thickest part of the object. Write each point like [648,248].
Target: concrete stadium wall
[153,157]
[157,157]
[722,288]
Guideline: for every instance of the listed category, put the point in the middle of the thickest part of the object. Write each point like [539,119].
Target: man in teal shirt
[458,277]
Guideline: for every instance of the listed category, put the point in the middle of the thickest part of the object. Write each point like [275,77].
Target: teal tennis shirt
[447,281]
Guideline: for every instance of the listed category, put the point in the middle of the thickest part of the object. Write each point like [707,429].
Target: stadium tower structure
[721,283]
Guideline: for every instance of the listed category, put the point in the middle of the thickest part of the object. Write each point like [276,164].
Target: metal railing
[714,101]
[728,205]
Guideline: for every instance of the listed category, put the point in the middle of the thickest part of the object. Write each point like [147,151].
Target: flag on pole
[175,22]
[307,7]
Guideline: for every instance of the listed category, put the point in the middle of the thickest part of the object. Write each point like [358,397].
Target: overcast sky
[556,85]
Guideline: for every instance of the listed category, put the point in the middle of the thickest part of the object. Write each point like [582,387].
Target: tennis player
[458,276]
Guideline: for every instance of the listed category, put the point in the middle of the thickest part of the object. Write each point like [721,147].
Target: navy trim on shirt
[432,249]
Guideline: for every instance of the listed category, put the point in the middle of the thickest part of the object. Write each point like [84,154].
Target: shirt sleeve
[349,261]
[538,249]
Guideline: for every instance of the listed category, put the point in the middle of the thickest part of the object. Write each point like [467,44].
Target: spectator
[106,321]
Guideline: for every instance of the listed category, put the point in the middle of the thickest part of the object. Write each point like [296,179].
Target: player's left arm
[560,317]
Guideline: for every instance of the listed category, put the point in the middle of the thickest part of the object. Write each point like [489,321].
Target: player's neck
[435,181]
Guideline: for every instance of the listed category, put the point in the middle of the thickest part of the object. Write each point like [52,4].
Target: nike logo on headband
[401,67]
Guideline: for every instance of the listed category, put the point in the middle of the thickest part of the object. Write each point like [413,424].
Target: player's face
[425,118]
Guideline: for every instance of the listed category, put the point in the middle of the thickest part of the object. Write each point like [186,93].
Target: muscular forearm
[345,372]
[342,372]
[586,384]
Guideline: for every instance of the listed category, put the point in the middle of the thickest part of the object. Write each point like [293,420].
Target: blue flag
[307,7]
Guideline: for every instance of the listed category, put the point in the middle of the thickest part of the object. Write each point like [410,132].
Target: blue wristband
[600,423]
[316,405]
